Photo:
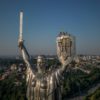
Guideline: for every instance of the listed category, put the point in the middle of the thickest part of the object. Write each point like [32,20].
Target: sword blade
[21,26]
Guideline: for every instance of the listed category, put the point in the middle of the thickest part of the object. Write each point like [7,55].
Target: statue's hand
[65,61]
[68,61]
[20,44]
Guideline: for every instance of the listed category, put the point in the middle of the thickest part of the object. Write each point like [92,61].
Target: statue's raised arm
[24,52]
[65,49]
[21,46]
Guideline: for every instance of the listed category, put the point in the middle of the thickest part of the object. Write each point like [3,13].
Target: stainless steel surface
[46,84]
[42,84]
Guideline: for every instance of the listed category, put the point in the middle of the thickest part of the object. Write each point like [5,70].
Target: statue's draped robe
[44,87]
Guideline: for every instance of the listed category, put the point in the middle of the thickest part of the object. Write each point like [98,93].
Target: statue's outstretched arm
[83,70]
[78,67]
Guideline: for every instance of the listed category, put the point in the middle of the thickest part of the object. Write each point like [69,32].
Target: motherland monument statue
[41,83]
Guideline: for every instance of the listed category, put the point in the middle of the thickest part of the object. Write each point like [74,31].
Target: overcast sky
[44,19]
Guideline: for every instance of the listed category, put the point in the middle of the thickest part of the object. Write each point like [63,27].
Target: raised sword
[21,26]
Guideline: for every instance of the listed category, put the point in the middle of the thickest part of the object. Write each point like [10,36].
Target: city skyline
[44,20]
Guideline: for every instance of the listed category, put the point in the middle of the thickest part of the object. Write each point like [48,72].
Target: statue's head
[41,64]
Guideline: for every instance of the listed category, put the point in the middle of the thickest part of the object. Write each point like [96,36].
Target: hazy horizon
[44,20]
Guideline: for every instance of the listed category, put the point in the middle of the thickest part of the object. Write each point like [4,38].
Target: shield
[64,46]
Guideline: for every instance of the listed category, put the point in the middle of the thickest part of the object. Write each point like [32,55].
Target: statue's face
[41,63]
